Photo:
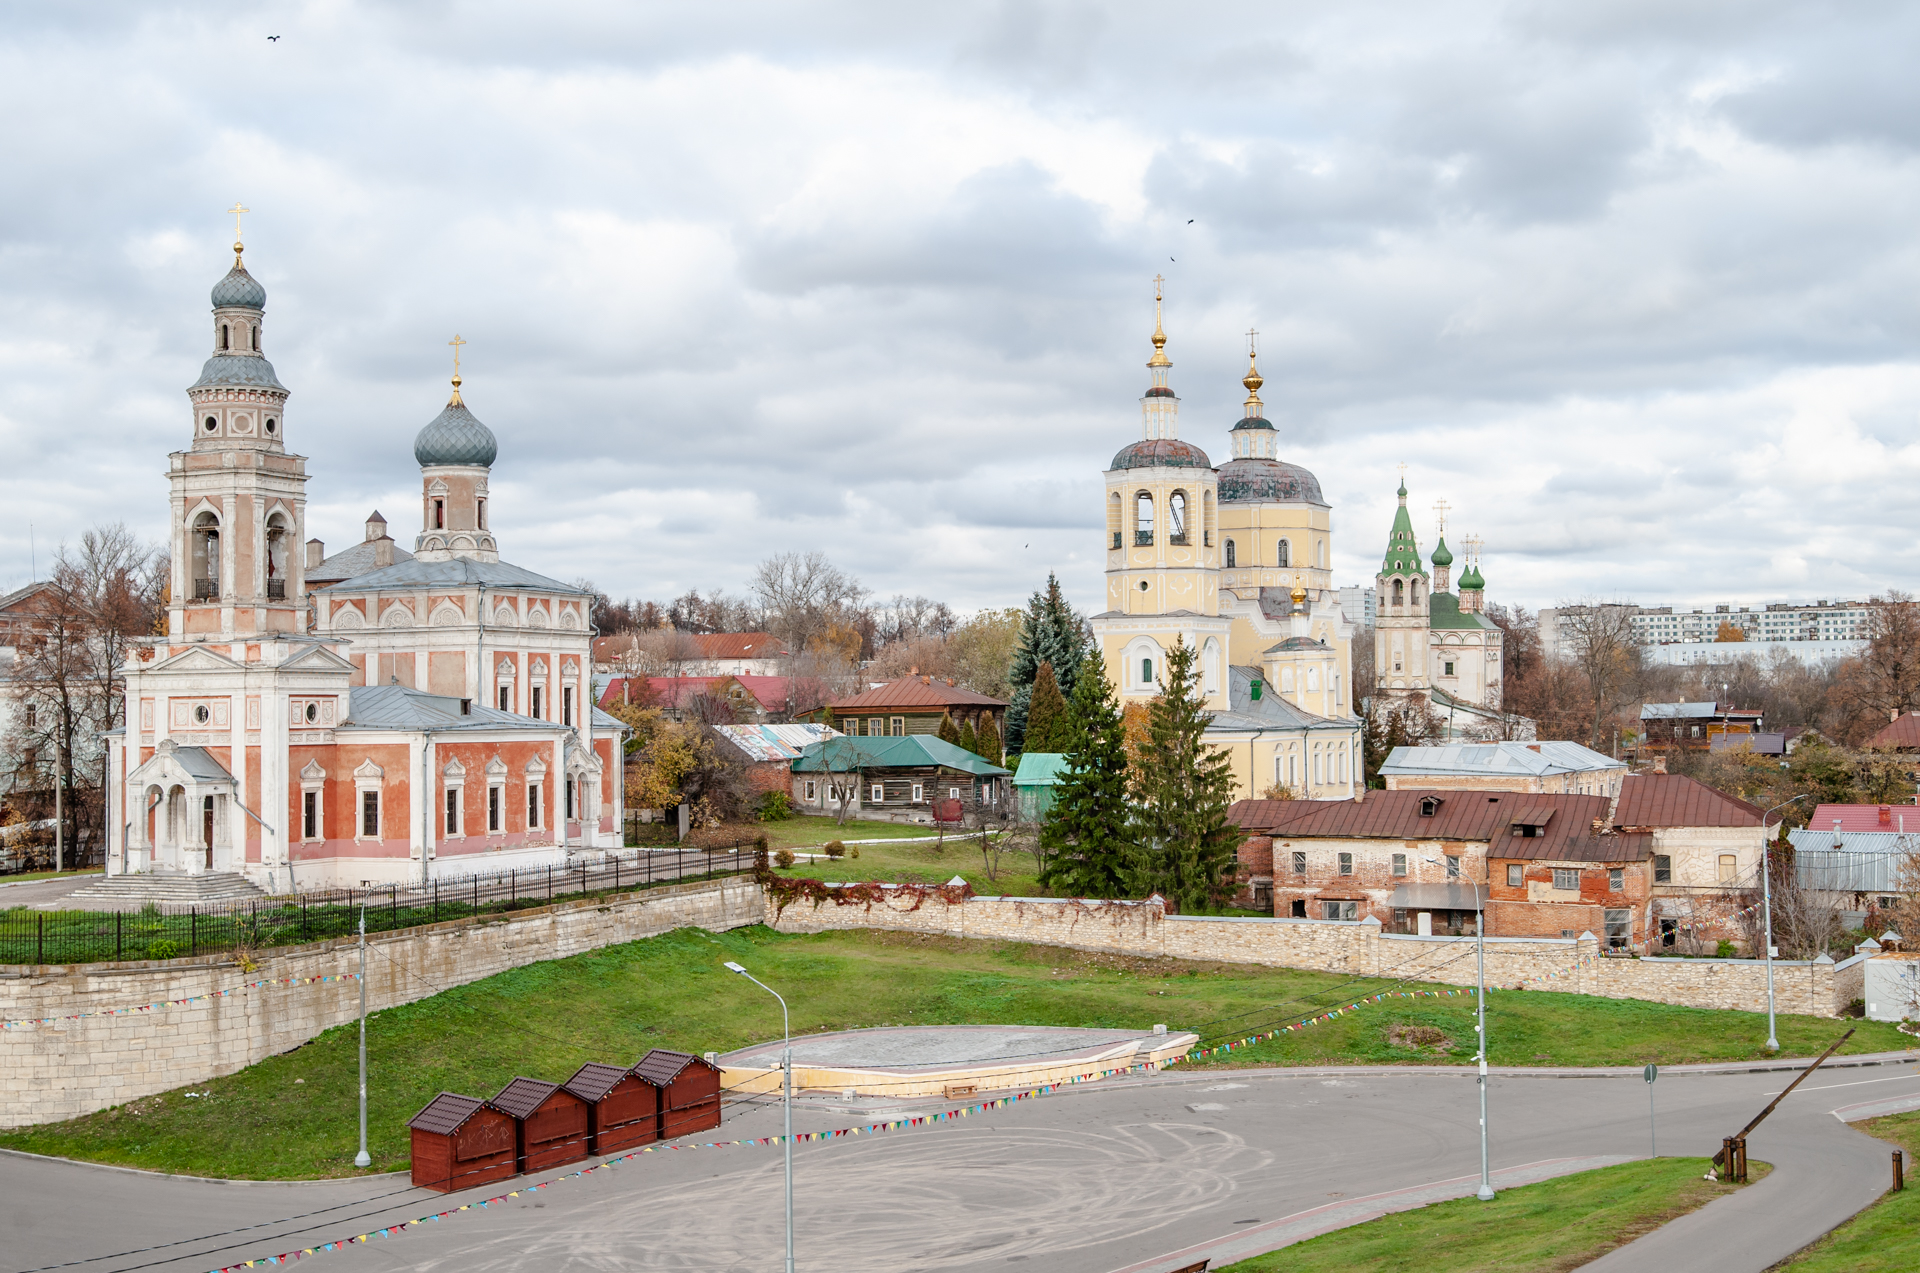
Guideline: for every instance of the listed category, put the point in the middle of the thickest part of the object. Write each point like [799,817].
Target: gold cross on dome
[1440,507]
[236,209]
[456,342]
[1253,342]
[1157,281]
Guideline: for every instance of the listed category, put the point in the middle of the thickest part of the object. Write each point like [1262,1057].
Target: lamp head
[730,966]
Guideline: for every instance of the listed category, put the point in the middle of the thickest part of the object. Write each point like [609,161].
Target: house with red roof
[714,654]
[717,700]
[913,705]
[1707,847]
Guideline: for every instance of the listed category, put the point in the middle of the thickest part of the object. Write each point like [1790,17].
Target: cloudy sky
[1633,286]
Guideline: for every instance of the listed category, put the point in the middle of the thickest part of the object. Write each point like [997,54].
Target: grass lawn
[1886,1236]
[28,877]
[1545,1228]
[930,859]
[292,1116]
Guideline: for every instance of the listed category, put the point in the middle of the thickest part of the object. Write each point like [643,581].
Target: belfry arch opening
[204,541]
[279,535]
[1143,519]
[1177,518]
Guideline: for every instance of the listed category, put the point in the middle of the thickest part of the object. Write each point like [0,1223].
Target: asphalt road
[1127,1173]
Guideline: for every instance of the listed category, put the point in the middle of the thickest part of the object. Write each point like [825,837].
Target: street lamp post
[1766,901]
[363,1159]
[786,1065]
[1485,1192]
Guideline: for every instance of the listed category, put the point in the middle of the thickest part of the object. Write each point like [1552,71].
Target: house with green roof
[902,778]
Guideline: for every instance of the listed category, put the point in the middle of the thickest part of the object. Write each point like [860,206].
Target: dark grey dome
[1161,453]
[239,288]
[455,437]
[249,370]
[1267,482]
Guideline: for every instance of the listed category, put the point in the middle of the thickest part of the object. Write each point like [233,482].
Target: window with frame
[538,695]
[813,790]
[1346,864]
[1283,553]
[1399,864]
[1447,668]
[1146,671]
[566,705]
[1662,869]
[569,793]
[918,793]
[953,793]
[1516,875]
[1616,879]
[1566,879]
[310,815]
[879,793]
[496,809]
[506,698]
[1729,868]
[1299,863]
[370,814]
[899,727]
[533,804]
[1339,910]
[1453,866]
[1230,555]
[1619,928]
[453,811]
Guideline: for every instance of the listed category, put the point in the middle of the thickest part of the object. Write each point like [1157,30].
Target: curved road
[1144,1174]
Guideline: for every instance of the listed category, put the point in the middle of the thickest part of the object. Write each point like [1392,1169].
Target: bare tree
[1884,682]
[1597,637]
[803,595]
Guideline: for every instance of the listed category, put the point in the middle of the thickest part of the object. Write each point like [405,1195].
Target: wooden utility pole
[1761,1116]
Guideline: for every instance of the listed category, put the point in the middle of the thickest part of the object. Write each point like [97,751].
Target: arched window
[439,514]
[1283,554]
[1230,560]
[1414,593]
[1143,518]
[1399,594]
[1146,671]
[223,335]
[1113,518]
[204,545]
[1320,551]
[277,538]
[256,338]
[1177,518]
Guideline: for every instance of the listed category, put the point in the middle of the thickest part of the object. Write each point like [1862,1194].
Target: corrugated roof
[739,645]
[1497,759]
[914,691]
[1868,862]
[522,1096]
[1264,817]
[1628,847]
[1040,769]
[446,1113]
[1270,711]
[349,562]
[594,1080]
[1674,800]
[1460,815]
[1865,817]
[910,751]
[454,573]
[660,1066]
[1902,734]
[200,762]
[775,742]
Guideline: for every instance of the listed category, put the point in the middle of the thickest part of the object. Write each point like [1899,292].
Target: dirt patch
[1418,1036]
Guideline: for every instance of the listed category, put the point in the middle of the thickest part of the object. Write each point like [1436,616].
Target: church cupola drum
[455,453]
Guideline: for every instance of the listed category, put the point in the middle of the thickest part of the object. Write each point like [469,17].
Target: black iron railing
[276,590]
[206,590]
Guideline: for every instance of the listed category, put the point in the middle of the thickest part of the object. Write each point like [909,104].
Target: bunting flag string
[1247,1042]
[189,1001]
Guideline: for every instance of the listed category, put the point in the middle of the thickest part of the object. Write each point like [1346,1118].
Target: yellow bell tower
[1163,554]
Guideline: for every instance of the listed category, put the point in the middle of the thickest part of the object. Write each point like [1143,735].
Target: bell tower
[238,497]
[1402,626]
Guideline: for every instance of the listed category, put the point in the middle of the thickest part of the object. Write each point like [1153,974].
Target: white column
[237,753]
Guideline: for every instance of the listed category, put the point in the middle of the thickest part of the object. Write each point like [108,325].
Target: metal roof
[914,691]
[1265,817]
[446,1113]
[349,562]
[1269,712]
[1459,815]
[199,762]
[1865,817]
[403,707]
[523,1096]
[1869,863]
[661,1066]
[1674,800]
[1040,769]
[1444,612]
[909,751]
[1903,734]
[592,1081]
[455,573]
[1497,759]
[775,742]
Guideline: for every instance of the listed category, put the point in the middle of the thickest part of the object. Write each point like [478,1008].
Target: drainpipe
[426,805]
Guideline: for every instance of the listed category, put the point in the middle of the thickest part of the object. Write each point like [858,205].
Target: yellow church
[1234,562]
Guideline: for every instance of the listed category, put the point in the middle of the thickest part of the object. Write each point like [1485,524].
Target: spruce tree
[1185,846]
[1050,632]
[989,744]
[1087,837]
[968,740]
[1047,726]
[948,731]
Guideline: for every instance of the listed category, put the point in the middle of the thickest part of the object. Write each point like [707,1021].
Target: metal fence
[172,931]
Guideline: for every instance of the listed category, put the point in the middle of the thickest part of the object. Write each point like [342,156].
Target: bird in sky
[272,38]
[1189,219]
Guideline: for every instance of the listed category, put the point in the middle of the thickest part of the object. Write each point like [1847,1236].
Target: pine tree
[1088,835]
[1050,632]
[948,731]
[968,740]
[1185,844]
[1047,727]
[826,716]
[989,747]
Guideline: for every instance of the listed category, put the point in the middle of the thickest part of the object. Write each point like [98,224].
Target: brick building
[1706,857]
[1554,768]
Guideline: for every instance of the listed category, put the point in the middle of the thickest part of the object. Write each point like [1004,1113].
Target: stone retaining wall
[66,1068]
[1144,928]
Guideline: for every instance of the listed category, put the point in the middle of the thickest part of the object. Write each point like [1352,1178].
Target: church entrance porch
[184,792]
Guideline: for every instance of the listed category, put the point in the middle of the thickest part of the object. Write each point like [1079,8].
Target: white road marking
[1856,1083]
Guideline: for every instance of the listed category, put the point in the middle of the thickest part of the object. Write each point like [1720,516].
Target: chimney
[1360,794]
[1896,713]
[1534,747]
[1886,815]
[949,682]
[1659,764]
[316,553]
[914,670]
[376,526]
[383,549]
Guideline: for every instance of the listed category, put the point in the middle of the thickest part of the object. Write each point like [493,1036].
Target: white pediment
[198,659]
[349,616]
[539,667]
[446,615]
[312,772]
[570,620]
[537,617]
[570,669]
[368,772]
[437,486]
[453,769]
[316,658]
[397,616]
[496,768]
[505,618]
[505,668]
[536,767]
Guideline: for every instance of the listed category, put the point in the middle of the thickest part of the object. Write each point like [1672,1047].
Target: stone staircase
[175,888]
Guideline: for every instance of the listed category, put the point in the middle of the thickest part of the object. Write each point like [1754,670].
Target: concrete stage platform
[946,1060]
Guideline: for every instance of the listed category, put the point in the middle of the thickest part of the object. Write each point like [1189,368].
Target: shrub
[760,842]
[776,806]
[784,858]
[835,849]
[1725,951]
[163,949]
[853,852]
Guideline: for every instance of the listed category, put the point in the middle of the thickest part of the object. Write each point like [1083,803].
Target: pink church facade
[375,717]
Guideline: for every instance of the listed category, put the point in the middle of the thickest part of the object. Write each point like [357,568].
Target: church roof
[1403,551]
[1152,453]
[1257,481]
[455,436]
[1270,711]
[248,370]
[1442,555]
[1444,612]
[454,573]
[349,562]
[239,288]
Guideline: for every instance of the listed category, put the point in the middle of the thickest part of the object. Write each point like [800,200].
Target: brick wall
[69,1068]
